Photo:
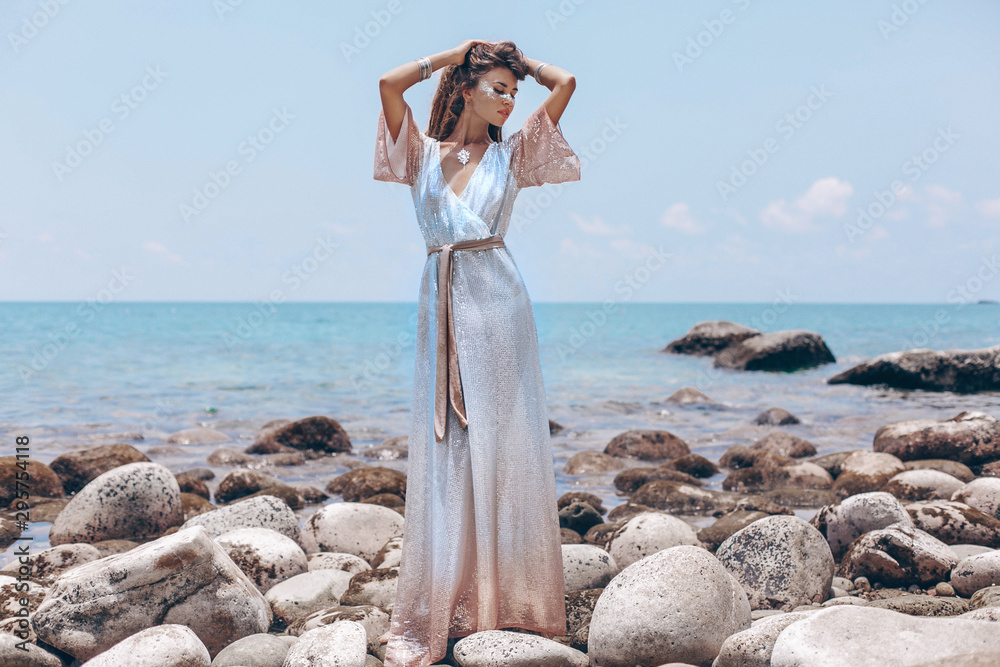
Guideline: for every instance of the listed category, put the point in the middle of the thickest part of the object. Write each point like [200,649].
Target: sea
[75,375]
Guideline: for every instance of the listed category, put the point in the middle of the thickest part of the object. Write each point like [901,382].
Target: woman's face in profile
[493,98]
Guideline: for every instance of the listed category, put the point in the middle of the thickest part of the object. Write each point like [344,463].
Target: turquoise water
[76,375]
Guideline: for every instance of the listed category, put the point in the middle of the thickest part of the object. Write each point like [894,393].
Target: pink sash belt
[448,382]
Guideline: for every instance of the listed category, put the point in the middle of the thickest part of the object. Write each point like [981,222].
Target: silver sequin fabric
[481,541]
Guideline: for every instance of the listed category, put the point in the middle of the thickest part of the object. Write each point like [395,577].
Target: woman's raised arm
[560,82]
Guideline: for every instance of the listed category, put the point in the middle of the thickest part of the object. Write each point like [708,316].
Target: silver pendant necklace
[463,156]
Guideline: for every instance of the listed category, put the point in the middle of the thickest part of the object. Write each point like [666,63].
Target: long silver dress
[481,541]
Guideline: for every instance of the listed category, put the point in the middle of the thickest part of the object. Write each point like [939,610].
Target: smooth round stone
[945,589]
[976,572]
[327,560]
[258,512]
[168,645]
[342,644]
[781,562]
[502,648]
[850,636]
[361,529]
[305,593]
[645,534]
[375,587]
[136,500]
[923,485]
[31,656]
[266,556]
[681,601]
[856,515]
[587,566]
[752,647]
[863,471]
[982,493]
[963,551]
[260,650]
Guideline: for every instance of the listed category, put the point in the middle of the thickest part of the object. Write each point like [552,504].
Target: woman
[482,547]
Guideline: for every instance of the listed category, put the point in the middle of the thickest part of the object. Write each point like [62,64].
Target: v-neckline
[471,178]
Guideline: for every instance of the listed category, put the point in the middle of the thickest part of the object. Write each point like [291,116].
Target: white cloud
[989,208]
[598,227]
[942,206]
[827,197]
[678,217]
[161,250]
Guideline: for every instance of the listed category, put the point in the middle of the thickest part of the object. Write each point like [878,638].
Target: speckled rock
[48,564]
[781,562]
[267,557]
[136,500]
[197,436]
[503,648]
[376,587]
[305,593]
[976,572]
[593,462]
[647,533]
[923,605]
[390,554]
[856,515]
[695,465]
[258,512]
[360,483]
[587,566]
[648,445]
[168,645]
[898,555]
[374,620]
[955,523]
[29,656]
[631,479]
[922,485]
[681,601]
[11,598]
[785,444]
[752,647]
[327,560]
[851,636]
[77,469]
[708,338]
[182,578]
[864,471]
[260,650]
[714,535]
[983,494]
[954,468]
[800,475]
[969,437]
[355,528]
[342,644]
[681,498]
[579,517]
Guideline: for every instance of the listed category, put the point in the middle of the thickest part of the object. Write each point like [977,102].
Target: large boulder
[77,469]
[850,636]
[969,437]
[316,434]
[184,578]
[782,562]
[682,603]
[854,516]
[707,338]
[361,529]
[136,500]
[790,350]
[960,371]
[647,533]
[898,555]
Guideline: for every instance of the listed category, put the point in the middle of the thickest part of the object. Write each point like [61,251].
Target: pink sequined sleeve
[398,161]
[540,153]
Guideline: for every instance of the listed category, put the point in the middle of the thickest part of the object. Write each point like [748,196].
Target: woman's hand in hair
[463,48]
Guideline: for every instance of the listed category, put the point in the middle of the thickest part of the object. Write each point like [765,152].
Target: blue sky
[810,112]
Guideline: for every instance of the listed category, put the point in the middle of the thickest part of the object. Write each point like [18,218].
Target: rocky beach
[762,540]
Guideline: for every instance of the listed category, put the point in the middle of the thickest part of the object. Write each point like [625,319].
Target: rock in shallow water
[503,648]
[681,601]
[136,500]
[169,645]
[781,561]
[934,370]
[850,636]
[184,578]
[789,350]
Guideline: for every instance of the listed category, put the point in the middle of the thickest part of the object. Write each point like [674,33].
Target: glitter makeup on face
[492,93]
